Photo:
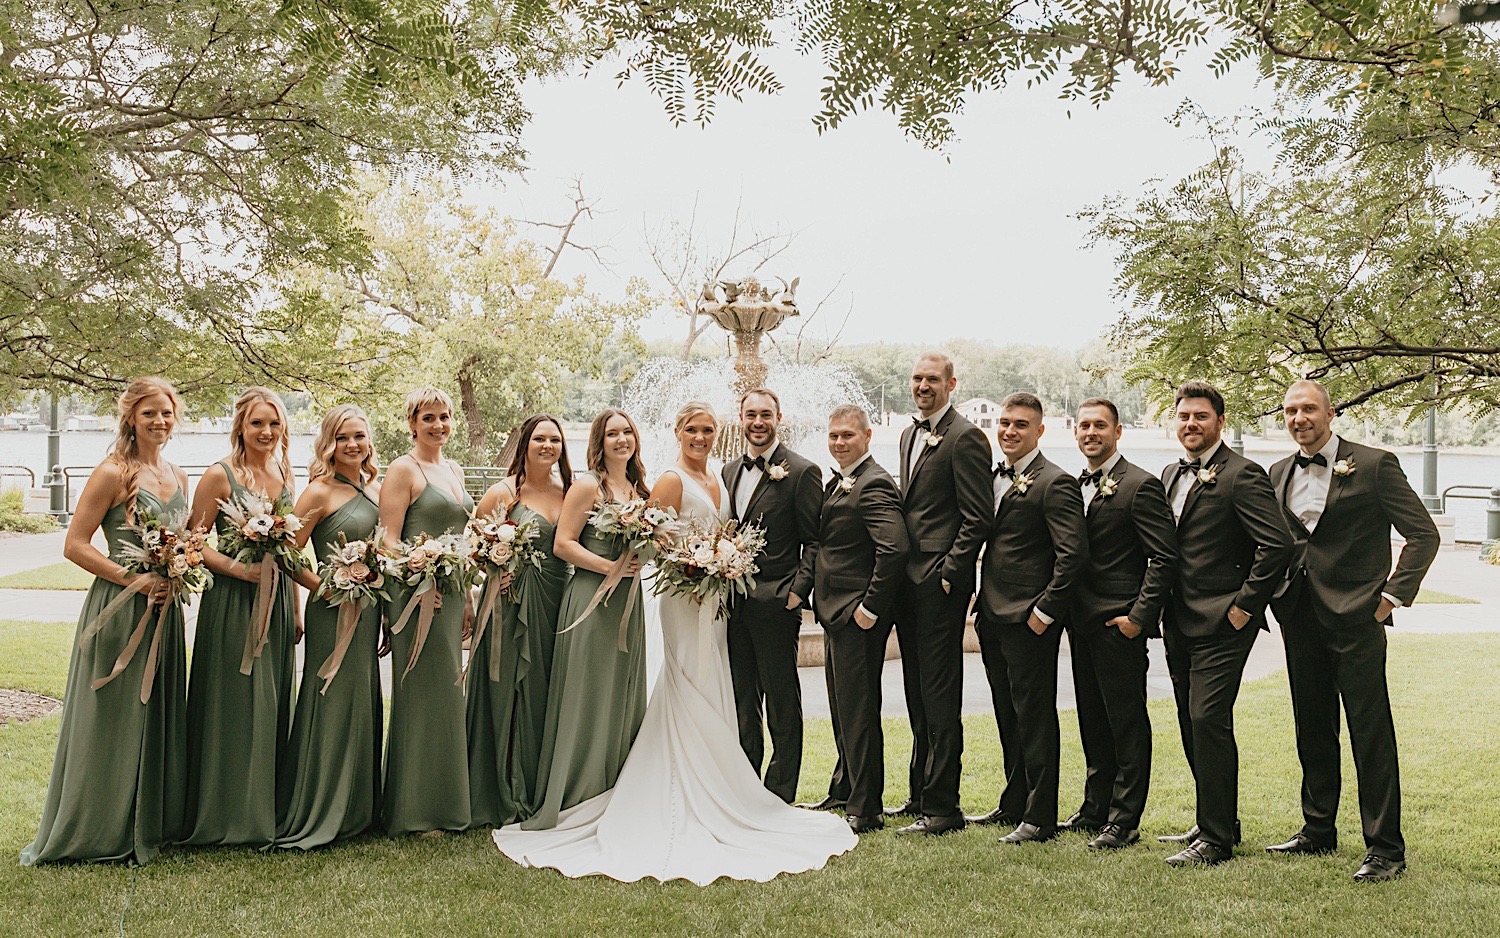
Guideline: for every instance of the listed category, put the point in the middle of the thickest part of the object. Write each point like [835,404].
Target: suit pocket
[848,582]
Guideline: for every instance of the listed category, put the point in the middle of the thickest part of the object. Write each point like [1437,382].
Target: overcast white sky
[982,243]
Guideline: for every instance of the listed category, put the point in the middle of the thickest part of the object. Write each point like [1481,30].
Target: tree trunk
[468,402]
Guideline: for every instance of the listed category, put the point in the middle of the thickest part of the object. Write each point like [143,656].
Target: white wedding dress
[686,804]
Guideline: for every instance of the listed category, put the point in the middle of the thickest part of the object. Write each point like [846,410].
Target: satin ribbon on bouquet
[489,597]
[425,601]
[348,621]
[259,631]
[607,589]
[139,585]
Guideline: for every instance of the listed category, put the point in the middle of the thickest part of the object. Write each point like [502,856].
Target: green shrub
[13,516]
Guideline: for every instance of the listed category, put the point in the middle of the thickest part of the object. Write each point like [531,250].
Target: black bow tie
[921,424]
[758,462]
[1316,459]
[1091,478]
[1004,470]
[1184,465]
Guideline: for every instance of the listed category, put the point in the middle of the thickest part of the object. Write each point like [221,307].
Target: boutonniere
[1107,486]
[846,485]
[1023,482]
[778,471]
[931,439]
[1344,467]
[1208,475]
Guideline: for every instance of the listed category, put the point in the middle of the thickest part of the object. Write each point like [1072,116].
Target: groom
[779,491]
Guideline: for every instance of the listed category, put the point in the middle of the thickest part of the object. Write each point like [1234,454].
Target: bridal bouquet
[168,551]
[261,530]
[501,546]
[717,561]
[352,579]
[432,566]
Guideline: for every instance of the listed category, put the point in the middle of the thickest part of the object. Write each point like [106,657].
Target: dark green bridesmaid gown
[333,776]
[237,723]
[426,760]
[597,696]
[120,772]
[507,715]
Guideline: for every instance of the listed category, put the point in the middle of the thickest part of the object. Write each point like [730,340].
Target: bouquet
[352,579]
[643,526]
[168,551]
[261,529]
[432,566]
[501,547]
[713,562]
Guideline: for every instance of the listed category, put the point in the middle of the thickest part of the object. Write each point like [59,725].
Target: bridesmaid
[237,723]
[426,762]
[333,777]
[508,702]
[121,766]
[598,693]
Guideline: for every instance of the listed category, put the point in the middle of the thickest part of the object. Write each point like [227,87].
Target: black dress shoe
[1191,834]
[906,809]
[864,825]
[1200,853]
[1114,837]
[997,816]
[934,825]
[1301,843]
[1028,833]
[1080,823]
[829,803]
[1378,869]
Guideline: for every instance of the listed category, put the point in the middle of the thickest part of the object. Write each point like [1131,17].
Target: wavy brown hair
[523,445]
[126,453]
[321,465]
[635,470]
[242,406]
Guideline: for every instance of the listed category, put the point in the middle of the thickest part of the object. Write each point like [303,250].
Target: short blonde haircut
[421,399]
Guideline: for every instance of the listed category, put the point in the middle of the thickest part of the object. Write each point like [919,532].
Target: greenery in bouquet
[713,561]
[355,572]
[261,528]
[640,523]
[502,546]
[444,564]
[169,549]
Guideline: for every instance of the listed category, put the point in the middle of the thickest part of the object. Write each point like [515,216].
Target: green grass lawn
[963,884]
[1438,596]
[57,576]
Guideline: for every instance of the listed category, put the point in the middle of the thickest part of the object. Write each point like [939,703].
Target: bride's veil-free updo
[690,410]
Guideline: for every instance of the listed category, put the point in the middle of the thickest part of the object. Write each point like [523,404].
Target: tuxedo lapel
[938,430]
[764,483]
[903,463]
[1336,483]
[732,484]
[1221,457]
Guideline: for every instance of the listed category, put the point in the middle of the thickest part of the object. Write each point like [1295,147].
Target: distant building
[980,411]
[82,422]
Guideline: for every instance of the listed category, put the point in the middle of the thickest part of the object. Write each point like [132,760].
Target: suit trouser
[1206,673]
[1022,670]
[1325,663]
[763,666]
[930,629]
[853,659]
[1109,681]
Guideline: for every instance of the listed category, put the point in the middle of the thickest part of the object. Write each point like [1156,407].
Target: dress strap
[356,486]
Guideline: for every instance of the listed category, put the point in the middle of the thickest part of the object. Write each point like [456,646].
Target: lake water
[1150,449]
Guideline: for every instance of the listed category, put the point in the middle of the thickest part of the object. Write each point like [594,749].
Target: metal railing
[1479,493]
[18,472]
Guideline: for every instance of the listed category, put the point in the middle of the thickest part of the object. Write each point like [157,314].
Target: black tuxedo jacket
[948,502]
[1346,560]
[787,509]
[1037,548]
[1233,546]
[1132,553]
[861,549]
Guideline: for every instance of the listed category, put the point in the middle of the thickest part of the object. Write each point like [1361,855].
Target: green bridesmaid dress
[120,772]
[333,777]
[426,760]
[508,707]
[597,696]
[237,723]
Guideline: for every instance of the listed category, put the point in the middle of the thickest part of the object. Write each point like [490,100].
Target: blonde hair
[321,465]
[422,398]
[692,409]
[127,450]
[242,407]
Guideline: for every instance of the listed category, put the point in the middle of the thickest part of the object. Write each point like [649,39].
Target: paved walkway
[1457,571]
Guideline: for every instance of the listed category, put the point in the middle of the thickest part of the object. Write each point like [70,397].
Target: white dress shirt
[1307,492]
[1089,491]
[919,439]
[1184,483]
[749,478]
[1003,485]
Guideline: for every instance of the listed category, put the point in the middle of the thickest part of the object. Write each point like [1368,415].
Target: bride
[687,804]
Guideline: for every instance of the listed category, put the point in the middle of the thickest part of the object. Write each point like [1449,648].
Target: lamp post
[1430,496]
[59,495]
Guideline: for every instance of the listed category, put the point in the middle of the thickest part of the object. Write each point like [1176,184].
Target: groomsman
[1117,605]
[858,570]
[1341,501]
[1037,548]
[1233,549]
[945,461]
[778,490]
